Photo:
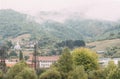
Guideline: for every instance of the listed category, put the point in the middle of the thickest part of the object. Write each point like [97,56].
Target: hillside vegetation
[103,45]
[110,48]
[14,24]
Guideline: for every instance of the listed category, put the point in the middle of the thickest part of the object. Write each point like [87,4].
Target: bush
[1,75]
[20,71]
[115,74]
[50,74]
[97,74]
[78,73]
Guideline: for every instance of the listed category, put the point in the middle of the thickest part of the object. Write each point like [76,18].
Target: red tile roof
[10,64]
[48,58]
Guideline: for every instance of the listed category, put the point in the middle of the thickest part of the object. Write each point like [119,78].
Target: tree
[79,43]
[15,70]
[85,57]
[78,73]
[65,63]
[20,55]
[115,74]
[26,57]
[112,34]
[3,56]
[12,53]
[27,73]
[9,44]
[97,74]
[50,74]
[118,64]
[1,75]
[110,68]
[40,71]
[71,43]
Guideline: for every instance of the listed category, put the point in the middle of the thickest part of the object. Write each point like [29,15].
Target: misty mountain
[54,25]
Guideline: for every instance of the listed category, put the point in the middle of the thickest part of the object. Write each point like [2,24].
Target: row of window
[44,65]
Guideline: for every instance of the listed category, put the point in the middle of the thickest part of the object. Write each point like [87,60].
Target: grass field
[102,45]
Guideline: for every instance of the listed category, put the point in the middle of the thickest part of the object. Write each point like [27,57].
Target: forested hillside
[13,24]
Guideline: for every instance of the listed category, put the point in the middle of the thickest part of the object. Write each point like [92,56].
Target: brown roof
[48,58]
[10,64]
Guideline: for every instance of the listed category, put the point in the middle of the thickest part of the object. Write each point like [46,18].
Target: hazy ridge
[13,24]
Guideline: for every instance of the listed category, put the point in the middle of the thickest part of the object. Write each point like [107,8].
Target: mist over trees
[13,24]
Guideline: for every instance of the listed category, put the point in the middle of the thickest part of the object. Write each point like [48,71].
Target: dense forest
[13,24]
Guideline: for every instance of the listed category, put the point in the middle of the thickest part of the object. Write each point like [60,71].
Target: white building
[105,61]
[44,61]
[17,46]
[47,61]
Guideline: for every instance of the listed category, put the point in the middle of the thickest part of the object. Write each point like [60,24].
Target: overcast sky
[98,9]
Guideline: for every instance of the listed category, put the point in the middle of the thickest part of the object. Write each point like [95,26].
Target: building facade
[44,61]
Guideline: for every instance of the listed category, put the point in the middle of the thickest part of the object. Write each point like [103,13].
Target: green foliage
[12,53]
[109,72]
[13,24]
[1,74]
[113,52]
[40,71]
[71,43]
[3,50]
[20,71]
[9,44]
[97,74]
[78,73]
[65,63]
[115,74]
[110,68]
[85,57]
[20,55]
[15,70]
[27,73]
[26,57]
[3,56]
[50,74]
[118,64]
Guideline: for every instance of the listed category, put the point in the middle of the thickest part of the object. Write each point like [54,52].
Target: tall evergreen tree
[20,55]
[1,74]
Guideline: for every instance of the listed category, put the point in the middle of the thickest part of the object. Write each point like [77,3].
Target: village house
[47,61]
[105,61]
[44,61]
[10,63]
